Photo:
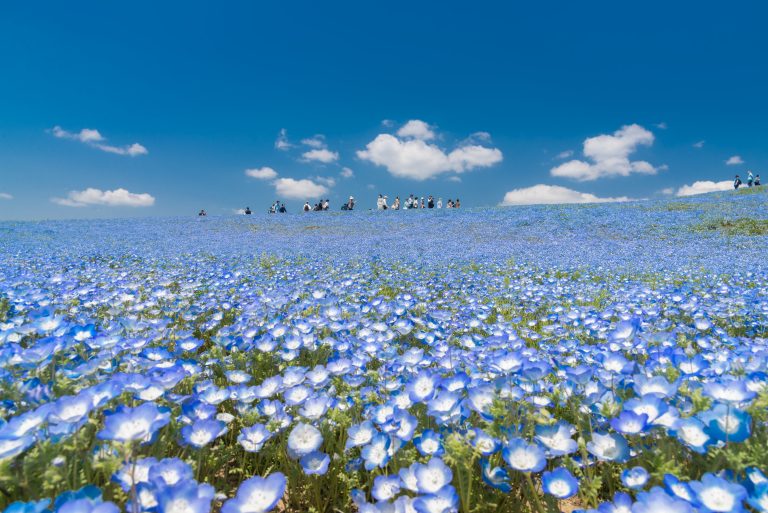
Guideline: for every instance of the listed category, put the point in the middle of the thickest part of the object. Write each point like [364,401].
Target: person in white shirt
[307,208]
[396,203]
[381,203]
[439,202]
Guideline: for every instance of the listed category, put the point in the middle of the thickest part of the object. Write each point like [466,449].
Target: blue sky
[178,100]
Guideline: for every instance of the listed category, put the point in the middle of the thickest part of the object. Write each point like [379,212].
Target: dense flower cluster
[608,358]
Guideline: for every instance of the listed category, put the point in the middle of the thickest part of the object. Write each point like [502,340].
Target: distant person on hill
[736,182]
[202,213]
[326,204]
[282,209]
[319,206]
[349,205]
[750,178]
[439,202]
[396,203]
[381,203]
[307,208]
[430,202]
[247,211]
[449,204]
[408,203]
[457,204]
[757,180]
[422,202]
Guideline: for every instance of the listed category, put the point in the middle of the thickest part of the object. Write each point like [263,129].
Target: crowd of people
[412,202]
[751,180]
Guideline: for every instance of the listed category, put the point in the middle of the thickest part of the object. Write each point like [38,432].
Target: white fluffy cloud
[347,173]
[551,195]
[411,157]
[299,189]
[282,143]
[5,196]
[704,186]
[261,173]
[417,129]
[609,156]
[94,139]
[316,141]
[734,160]
[698,144]
[115,198]
[321,155]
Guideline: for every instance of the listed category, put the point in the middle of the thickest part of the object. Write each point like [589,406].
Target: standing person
[202,213]
[282,208]
[736,182]
[457,204]
[381,203]
[307,208]
[449,204]
[408,202]
[757,180]
[430,202]
[396,203]
[750,178]
[326,204]
[422,202]
[247,211]
[439,202]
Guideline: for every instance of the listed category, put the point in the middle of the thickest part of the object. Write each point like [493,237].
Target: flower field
[609,358]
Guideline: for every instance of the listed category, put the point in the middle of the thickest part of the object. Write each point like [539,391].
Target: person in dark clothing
[736,182]
[202,213]
[431,202]
[247,211]
[757,180]
[282,208]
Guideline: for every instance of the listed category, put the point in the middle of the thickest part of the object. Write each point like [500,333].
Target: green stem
[534,493]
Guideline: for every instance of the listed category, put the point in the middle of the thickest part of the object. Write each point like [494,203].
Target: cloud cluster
[116,198]
[734,160]
[292,188]
[704,186]
[323,155]
[608,155]
[94,139]
[542,194]
[408,154]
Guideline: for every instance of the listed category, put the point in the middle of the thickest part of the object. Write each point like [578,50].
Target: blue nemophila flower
[693,433]
[484,443]
[422,387]
[630,423]
[11,447]
[131,424]
[28,507]
[758,498]
[252,438]
[186,496]
[497,477]
[304,439]
[727,423]
[635,477]
[429,443]
[522,456]
[678,488]
[376,453]
[133,473]
[445,500]
[169,472]
[731,391]
[557,438]
[257,495]
[385,487]
[559,483]
[657,500]
[609,447]
[716,494]
[203,432]
[360,434]
[432,476]
[315,462]
[87,506]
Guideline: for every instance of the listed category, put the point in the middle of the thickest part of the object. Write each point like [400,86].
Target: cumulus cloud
[704,186]
[261,173]
[5,196]
[94,139]
[415,158]
[734,160]
[116,198]
[552,195]
[282,143]
[316,141]
[321,155]
[608,155]
[416,129]
[299,189]
[347,173]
